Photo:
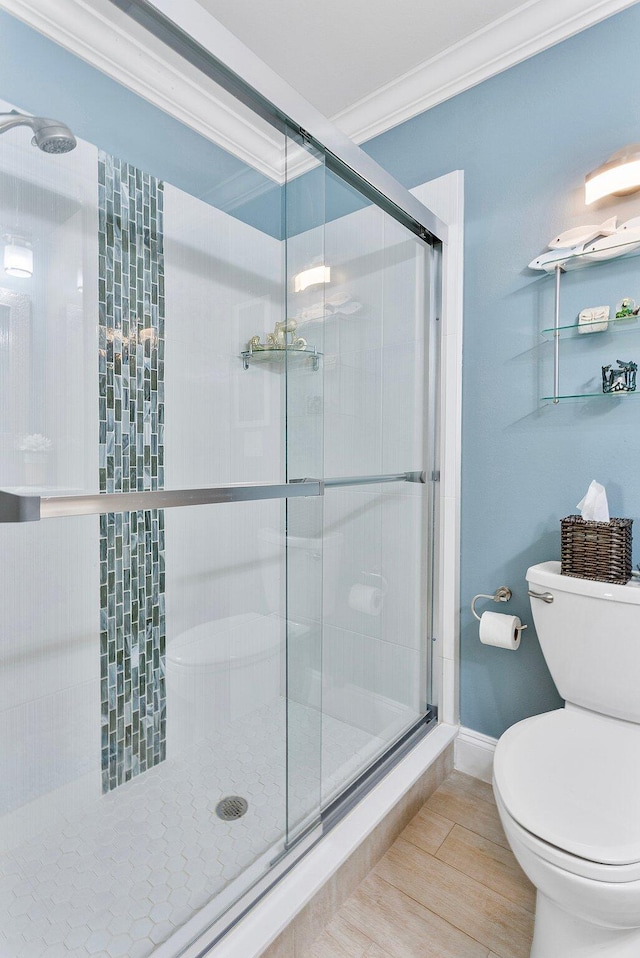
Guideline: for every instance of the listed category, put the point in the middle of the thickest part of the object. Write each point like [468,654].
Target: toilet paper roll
[366,598]
[500,630]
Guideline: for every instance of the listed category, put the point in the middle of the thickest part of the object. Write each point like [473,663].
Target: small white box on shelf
[594,319]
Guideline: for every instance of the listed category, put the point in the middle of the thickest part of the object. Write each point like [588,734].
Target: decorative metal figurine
[282,337]
[622,380]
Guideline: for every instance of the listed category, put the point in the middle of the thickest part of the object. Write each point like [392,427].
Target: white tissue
[366,598]
[501,630]
[594,507]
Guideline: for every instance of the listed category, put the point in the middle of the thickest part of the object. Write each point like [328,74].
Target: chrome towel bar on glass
[16,507]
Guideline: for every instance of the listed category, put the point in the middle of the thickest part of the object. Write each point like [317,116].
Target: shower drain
[231,807]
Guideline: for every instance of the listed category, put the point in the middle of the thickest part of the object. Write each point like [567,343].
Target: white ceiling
[339,51]
[366,64]
[371,64]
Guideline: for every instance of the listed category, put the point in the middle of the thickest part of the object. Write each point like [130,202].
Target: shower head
[50,136]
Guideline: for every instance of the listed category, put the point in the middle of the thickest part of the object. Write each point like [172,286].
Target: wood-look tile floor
[449,887]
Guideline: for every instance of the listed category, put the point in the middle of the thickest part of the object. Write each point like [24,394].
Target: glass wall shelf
[564,261]
[276,357]
[613,325]
[593,395]
[568,261]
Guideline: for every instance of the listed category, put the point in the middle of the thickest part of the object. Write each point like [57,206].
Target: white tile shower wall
[404,564]
[70,292]
[49,586]
[51,200]
[223,423]
[305,387]
[356,661]
[354,513]
[388,555]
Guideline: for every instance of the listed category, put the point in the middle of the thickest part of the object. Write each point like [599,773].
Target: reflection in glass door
[144,650]
[359,291]
[378,391]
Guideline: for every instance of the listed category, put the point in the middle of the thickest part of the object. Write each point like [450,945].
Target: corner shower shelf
[276,357]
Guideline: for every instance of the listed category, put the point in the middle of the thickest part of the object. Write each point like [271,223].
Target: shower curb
[289,918]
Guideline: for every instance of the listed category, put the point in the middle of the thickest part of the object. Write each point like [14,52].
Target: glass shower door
[150,665]
[305,284]
[359,288]
[192,687]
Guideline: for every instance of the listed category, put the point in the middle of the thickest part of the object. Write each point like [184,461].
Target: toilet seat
[234,640]
[561,859]
[586,817]
[217,643]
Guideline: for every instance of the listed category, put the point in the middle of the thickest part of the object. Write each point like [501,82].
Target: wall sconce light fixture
[18,257]
[618,176]
[311,277]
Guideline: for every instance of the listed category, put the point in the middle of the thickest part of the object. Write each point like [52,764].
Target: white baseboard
[474,753]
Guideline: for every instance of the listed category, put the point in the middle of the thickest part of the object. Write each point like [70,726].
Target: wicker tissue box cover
[596,550]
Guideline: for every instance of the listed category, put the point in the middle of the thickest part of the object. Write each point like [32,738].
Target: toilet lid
[572,778]
[221,641]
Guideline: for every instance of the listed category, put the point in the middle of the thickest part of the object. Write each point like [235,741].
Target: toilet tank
[314,572]
[590,638]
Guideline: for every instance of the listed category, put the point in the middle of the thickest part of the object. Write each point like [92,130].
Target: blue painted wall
[40,77]
[525,140]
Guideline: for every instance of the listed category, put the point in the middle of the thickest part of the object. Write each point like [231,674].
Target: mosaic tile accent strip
[131,405]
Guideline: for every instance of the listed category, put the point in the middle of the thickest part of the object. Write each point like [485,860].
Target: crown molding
[100,34]
[531,28]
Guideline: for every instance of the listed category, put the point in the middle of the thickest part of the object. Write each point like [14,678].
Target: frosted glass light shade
[619,176]
[311,277]
[18,260]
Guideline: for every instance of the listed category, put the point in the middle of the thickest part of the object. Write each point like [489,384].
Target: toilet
[567,782]
[220,671]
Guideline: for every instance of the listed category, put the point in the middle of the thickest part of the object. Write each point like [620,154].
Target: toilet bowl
[567,782]
[224,669]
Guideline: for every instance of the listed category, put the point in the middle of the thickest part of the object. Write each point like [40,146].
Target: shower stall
[219,462]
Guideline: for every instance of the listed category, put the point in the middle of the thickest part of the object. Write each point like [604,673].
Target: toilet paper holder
[503,594]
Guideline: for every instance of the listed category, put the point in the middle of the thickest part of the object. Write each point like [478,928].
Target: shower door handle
[15,507]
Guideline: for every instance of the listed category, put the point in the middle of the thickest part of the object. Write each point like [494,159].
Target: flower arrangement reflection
[34,442]
[35,449]
[120,344]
